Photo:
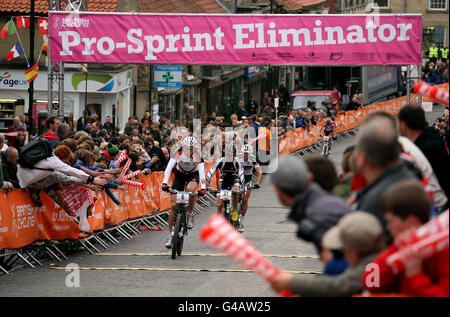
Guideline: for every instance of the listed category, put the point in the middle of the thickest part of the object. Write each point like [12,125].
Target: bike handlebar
[215,191]
[174,191]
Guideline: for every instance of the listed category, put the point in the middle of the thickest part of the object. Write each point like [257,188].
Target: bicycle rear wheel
[176,236]
[325,150]
[226,215]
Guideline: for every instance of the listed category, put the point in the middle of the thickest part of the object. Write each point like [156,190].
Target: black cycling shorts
[229,182]
[182,179]
[327,133]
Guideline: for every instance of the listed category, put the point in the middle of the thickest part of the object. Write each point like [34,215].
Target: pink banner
[236,39]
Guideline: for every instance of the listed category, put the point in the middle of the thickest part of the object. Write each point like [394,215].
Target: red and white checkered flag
[218,233]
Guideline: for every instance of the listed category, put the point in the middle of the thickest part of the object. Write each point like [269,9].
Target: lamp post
[31,85]
[84,69]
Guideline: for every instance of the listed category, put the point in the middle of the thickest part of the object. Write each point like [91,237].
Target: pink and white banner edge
[235,39]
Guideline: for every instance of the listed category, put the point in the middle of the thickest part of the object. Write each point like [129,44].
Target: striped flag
[7,29]
[32,73]
[45,45]
[23,22]
[45,49]
[16,51]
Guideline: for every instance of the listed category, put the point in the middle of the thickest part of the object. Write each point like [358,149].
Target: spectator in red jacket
[406,207]
[16,126]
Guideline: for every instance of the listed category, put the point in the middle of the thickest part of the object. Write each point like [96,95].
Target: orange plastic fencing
[22,223]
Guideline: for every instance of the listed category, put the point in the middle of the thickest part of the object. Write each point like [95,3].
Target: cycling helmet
[230,149]
[247,149]
[189,141]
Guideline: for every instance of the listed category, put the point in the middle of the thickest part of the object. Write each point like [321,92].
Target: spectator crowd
[393,180]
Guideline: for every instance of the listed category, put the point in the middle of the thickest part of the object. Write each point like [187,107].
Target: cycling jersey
[248,166]
[183,164]
[328,128]
[231,173]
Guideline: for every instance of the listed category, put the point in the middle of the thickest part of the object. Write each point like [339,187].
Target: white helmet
[247,149]
[189,141]
[230,149]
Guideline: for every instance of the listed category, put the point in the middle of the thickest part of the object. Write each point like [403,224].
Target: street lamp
[84,69]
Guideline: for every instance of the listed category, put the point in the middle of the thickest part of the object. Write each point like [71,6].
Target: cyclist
[231,177]
[249,163]
[328,130]
[189,171]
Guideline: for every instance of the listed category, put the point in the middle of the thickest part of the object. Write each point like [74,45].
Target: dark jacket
[252,107]
[53,138]
[108,127]
[81,125]
[368,199]
[9,172]
[433,147]
[316,211]
[241,112]
[161,164]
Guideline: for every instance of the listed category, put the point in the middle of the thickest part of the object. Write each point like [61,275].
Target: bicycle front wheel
[176,236]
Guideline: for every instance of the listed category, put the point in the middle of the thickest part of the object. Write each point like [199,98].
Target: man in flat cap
[360,236]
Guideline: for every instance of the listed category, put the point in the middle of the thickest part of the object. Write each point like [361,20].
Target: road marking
[206,255]
[126,268]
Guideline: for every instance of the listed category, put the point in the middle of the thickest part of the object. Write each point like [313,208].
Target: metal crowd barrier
[32,254]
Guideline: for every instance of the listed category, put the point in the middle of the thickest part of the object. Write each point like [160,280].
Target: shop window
[383,4]
[9,108]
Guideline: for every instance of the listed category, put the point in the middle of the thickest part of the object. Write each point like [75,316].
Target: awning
[170,91]
[211,82]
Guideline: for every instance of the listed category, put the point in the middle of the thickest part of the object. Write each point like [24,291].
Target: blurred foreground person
[360,236]
[406,207]
[313,209]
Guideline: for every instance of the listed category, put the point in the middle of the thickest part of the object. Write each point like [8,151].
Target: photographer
[313,209]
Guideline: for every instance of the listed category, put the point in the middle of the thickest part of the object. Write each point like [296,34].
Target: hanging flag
[45,49]
[43,26]
[16,51]
[7,29]
[23,22]
[32,73]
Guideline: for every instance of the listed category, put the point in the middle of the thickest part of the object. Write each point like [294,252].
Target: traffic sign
[168,76]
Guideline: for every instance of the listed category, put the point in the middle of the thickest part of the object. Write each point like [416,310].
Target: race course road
[142,266]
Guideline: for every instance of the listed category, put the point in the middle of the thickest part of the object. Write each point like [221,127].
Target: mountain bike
[180,228]
[326,145]
[226,196]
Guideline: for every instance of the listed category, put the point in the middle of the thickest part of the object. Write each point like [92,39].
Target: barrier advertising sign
[235,39]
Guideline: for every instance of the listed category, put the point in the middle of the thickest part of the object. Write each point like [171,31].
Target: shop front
[169,103]
[106,94]
[223,92]
[253,83]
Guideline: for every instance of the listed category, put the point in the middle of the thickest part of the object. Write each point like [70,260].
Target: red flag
[23,22]
[43,26]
